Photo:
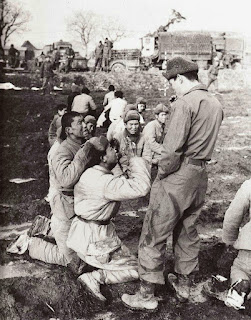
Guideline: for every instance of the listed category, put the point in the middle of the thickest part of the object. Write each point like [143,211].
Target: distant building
[27,51]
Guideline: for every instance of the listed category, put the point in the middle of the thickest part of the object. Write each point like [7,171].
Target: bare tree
[112,29]
[84,24]
[13,18]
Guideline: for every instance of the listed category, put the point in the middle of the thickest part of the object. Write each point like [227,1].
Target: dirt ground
[32,290]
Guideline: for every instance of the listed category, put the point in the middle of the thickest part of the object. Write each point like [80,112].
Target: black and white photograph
[125,146]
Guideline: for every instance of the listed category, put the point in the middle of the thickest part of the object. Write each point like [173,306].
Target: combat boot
[144,299]
[216,287]
[181,284]
[40,226]
[19,245]
[237,294]
[91,281]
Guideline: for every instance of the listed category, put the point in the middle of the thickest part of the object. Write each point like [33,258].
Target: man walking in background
[179,190]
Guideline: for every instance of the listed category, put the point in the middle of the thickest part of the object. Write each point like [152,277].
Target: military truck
[195,46]
[232,44]
[157,48]
[79,63]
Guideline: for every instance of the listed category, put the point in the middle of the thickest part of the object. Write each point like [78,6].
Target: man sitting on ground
[154,132]
[92,235]
[109,96]
[131,142]
[91,124]
[75,91]
[116,106]
[118,126]
[141,107]
[84,103]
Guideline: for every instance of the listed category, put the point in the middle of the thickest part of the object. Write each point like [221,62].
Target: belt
[195,162]
[68,193]
[98,222]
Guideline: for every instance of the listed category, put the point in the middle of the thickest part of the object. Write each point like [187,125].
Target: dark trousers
[47,84]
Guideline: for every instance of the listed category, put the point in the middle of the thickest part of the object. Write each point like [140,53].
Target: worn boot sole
[207,291]
[129,306]
[139,309]
[39,226]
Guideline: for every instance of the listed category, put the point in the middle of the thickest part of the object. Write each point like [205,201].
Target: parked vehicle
[156,49]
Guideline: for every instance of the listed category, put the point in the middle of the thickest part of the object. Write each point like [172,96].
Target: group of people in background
[103,53]
[90,175]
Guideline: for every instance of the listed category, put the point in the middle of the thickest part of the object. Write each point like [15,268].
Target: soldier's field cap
[160,108]
[177,66]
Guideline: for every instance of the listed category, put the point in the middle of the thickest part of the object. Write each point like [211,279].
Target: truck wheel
[118,67]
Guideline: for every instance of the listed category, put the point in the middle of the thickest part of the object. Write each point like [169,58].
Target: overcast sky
[48,22]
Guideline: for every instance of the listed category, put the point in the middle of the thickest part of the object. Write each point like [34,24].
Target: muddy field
[32,290]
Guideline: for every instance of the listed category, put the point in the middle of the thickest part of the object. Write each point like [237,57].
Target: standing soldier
[56,59]
[107,54]
[98,56]
[227,60]
[13,56]
[47,75]
[213,72]
[178,192]
[70,54]
[110,44]
[40,59]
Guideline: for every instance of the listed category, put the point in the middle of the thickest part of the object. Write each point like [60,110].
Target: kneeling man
[92,235]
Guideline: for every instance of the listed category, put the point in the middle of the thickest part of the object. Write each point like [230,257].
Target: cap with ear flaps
[131,115]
